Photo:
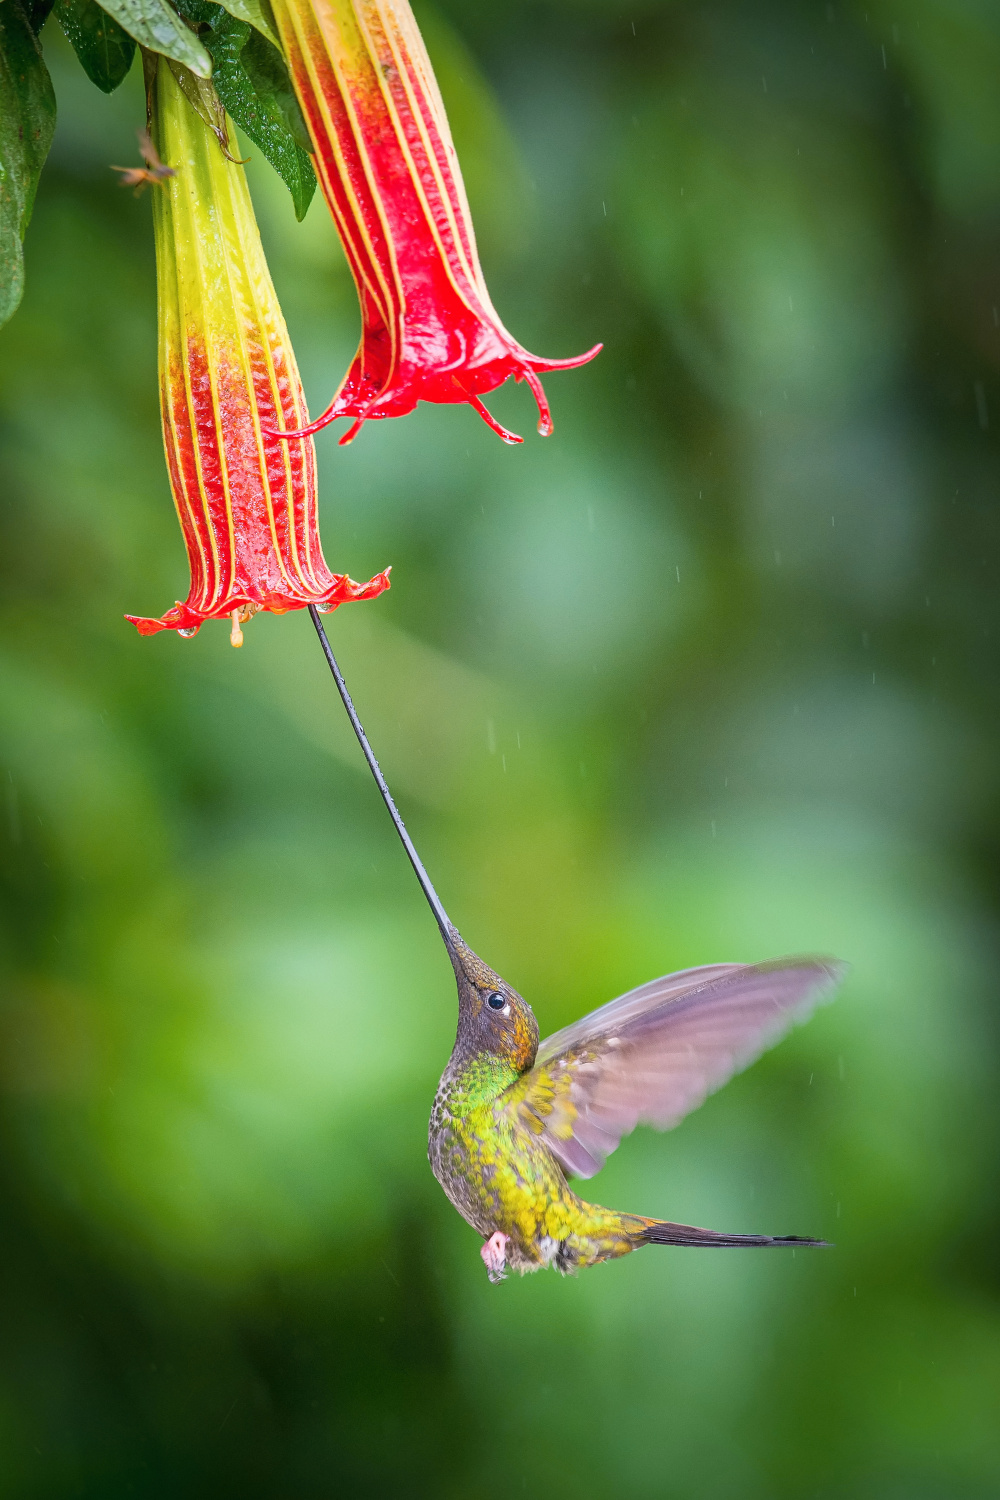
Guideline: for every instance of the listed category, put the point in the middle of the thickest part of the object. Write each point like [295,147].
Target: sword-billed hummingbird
[512,1120]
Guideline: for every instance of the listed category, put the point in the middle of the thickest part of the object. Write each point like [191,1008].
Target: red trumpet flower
[387,166]
[246,502]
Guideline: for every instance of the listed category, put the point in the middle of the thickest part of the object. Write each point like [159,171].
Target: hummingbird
[513,1120]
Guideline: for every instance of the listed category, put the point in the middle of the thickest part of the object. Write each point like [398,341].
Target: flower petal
[388,169]
[246,501]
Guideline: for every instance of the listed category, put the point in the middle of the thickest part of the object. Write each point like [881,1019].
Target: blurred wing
[655,1054]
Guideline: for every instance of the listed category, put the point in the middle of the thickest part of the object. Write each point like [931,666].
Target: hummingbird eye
[495,1001]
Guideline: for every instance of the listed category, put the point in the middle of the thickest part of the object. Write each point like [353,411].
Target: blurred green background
[711,674]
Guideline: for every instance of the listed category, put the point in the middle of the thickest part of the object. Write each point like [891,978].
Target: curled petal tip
[333,411]
[544,414]
[352,431]
[144,626]
[285,434]
[544,366]
[181,618]
[491,421]
[369,590]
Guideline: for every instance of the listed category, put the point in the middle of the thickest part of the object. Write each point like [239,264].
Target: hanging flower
[385,160]
[246,501]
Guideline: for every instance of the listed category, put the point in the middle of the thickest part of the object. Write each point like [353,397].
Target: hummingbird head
[492,1017]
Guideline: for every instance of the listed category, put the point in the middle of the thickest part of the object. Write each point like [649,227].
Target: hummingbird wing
[655,1054]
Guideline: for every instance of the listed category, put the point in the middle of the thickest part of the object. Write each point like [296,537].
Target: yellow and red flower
[388,169]
[246,501]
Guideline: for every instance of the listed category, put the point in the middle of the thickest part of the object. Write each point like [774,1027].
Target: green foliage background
[710,674]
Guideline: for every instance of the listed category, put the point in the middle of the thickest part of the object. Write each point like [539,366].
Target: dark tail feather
[660,1232]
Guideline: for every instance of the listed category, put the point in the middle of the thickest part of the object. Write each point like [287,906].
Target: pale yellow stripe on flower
[338,58]
[303,54]
[411,44]
[379,291]
[271,321]
[286,457]
[415,178]
[215,571]
[306,456]
[409,32]
[176,472]
[168,419]
[412,40]
[183,201]
[231,184]
[212,370]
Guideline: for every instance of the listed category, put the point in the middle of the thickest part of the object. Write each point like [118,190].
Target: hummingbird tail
[661,1232]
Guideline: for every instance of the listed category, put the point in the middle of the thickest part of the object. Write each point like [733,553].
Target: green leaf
[204,100]
[38,13]
[266,69]
[253,83]
[27,120]
[103,47]
[161,29]
[259,15]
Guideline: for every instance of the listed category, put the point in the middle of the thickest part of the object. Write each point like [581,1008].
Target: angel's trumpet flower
[246,501]
[387,166]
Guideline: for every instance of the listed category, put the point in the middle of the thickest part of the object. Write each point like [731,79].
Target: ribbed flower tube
[388,169]
[246,501]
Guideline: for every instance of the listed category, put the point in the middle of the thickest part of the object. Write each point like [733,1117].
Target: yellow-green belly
[501,1177]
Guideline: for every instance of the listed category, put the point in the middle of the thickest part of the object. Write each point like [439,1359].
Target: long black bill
[433,900]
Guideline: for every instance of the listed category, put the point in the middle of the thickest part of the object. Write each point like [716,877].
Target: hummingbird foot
[494,1254]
